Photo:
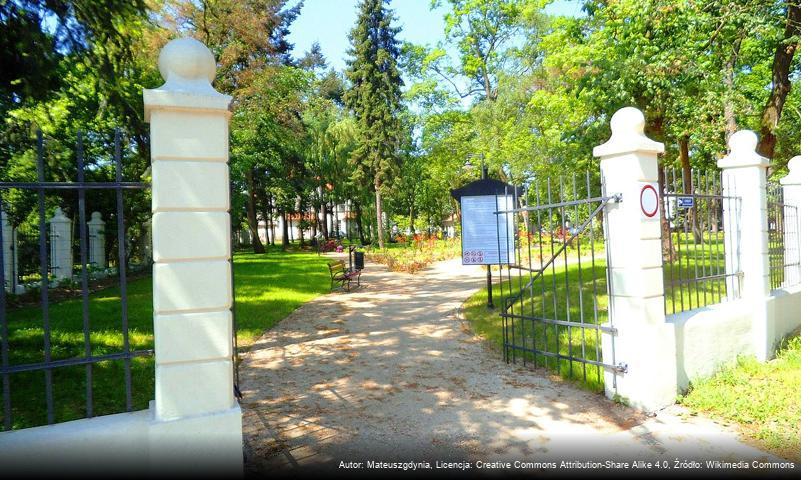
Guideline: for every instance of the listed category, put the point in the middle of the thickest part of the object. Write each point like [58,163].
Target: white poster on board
[487,238]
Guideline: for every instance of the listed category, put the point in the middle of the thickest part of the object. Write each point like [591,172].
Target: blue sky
[330,21]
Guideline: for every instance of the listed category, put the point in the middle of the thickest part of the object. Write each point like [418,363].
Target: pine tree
[375,99]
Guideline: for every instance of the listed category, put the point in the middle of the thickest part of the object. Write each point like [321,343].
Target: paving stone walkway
[390,372]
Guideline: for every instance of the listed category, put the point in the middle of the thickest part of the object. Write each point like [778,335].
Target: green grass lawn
[555,295]
[695,261]
[762,398]
[561,294]
[267,287]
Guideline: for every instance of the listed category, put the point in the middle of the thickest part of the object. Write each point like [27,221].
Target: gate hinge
[616,198]
[622,367]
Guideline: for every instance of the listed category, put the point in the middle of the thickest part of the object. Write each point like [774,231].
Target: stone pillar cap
[742,148]
[628,135]
[188,68]
[794,176]
[186,64]
[59,217]
[96,218]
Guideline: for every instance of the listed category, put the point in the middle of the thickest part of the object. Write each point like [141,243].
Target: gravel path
[389,372]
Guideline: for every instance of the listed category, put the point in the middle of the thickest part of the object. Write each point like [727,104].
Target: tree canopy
[508,84]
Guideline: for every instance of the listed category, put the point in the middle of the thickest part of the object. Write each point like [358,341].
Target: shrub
[423,252]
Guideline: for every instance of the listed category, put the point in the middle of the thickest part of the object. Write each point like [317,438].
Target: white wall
[784,313]
[710,337]
[133,443]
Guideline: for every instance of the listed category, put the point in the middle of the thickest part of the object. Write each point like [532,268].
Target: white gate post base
[746,232]
[197,423]
[644,342]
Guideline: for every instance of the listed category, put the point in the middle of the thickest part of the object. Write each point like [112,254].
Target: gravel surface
[389,372]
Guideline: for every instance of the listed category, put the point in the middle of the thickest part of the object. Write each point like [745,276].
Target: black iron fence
[554,286]
[23,249]
[49,341]
[784,242]
[699,269]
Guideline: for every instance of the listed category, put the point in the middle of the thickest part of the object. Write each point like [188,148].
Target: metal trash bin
[358,260]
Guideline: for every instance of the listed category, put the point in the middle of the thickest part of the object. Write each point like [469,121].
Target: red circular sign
[649,201]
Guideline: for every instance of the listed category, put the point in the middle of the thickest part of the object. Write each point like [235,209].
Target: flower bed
[417,254]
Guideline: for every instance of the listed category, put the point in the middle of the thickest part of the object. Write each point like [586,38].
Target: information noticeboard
[487,238]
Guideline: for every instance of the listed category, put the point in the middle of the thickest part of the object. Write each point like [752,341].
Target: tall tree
[491,37]
[375,99]
[38,33]
[780,78]
[249,41]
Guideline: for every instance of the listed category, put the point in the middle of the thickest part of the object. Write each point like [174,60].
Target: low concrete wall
[784,313]
[711,337]
[127,444]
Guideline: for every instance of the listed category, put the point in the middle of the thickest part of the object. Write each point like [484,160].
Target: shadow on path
[388,372]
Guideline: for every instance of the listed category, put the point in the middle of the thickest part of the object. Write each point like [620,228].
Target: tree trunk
[332,212]
[335,222]
[728,82]
[300,228]
[358,211]
[251,207]
[271,221]
[324,226]
[264,207]
[654,130]
[348,218]
[687,184]
[284,230]
[378,212]
[780,81]
[411,220]
[668,254]
[314,223]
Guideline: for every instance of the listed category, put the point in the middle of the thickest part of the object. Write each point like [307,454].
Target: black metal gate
[52,340]
[554,286]
[694,247]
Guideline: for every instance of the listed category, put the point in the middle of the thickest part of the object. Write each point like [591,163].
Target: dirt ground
[389,372]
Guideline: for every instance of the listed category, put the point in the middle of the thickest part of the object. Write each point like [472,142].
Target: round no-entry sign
[649,201]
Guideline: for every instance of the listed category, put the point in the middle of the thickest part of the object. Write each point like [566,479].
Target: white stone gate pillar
[746,230]
[8,253]
[791,186]
[97,241]
[644,342]
[60,245]
[198,423]
[147,240]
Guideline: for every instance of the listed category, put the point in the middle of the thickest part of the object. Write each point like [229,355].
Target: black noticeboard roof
[486,186]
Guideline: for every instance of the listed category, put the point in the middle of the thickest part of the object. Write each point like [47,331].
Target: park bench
[342,276]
